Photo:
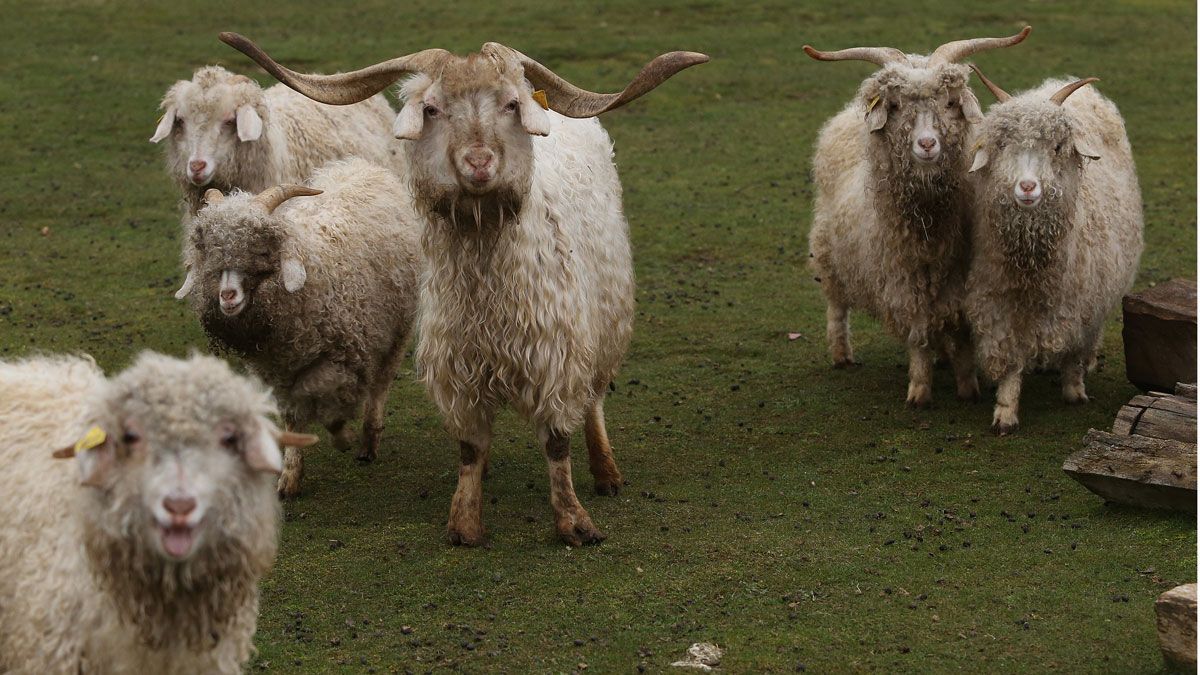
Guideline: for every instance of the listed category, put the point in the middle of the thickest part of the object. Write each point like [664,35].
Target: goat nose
[197,165]
[228,295]
[179,506]
[479,158]
[927,143]
[1027,186]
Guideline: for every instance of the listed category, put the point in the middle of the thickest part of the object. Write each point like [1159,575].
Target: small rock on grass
[702,656]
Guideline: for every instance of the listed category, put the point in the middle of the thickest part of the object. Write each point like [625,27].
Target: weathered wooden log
[1176,611]
[1136,470]
[1160,335]
[1158,415]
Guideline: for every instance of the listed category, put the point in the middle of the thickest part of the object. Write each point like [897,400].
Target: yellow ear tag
[874,102]
[540,97]
[94,437]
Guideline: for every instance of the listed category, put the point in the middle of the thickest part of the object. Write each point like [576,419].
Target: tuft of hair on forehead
[186,397]
[1026,119]
[211,76]
[213,85]
[478,72]
[905,80]
[237,228]
[413,85]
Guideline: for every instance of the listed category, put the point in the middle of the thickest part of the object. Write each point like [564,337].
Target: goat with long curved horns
[528,294]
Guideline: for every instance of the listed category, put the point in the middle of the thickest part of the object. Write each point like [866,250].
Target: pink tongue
[177,541]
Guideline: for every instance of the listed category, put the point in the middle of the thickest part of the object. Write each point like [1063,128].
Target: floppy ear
[188,283]
[533,115]
[876,115]
[293,274]
[1085,151]
[411,120]
[93,455]
[970,109]
[981,160]
[249,124]
[262,451]
[164,125]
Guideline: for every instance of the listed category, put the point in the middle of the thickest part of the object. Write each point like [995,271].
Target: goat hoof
[919,402]
[465,538]
[1004,428]
[366,457]
[576,529]
[288,486]
[606,488]
[287,490]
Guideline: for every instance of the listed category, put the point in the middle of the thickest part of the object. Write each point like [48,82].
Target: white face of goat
[471,129]
[1030,152]
[205,128]
[172,478]
[923,115]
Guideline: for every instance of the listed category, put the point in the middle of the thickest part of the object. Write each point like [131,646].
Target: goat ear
[533,115]
[411,120]
[1085,151]
[293,274]
[970,109]
[981,160]
[164,125]
[876,115]
[262,451]
[249,124]
[93,455]
[188,283]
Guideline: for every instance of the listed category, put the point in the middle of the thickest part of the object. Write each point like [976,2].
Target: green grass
[790,513]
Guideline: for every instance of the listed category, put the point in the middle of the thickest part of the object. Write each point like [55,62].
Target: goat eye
[178,122]
[129,438]
[1058,149]
[431,112]
[229,440]
[511,107]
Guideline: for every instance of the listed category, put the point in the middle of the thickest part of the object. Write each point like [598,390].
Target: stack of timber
[1149,459]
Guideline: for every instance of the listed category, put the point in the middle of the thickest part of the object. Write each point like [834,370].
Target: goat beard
[928,197]
[1029,237]
[192,602]
[466,213]
[245,334]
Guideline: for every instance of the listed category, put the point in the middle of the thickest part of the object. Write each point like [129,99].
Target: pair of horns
[562,96]
[951,52]
[1058,97]
[269,199]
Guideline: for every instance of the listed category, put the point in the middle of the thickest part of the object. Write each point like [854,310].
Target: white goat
[527,298]
[145,556]
[890,232]
[1058,235]
[224,131]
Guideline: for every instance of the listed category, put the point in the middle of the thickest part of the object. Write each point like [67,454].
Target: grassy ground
[795,515]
